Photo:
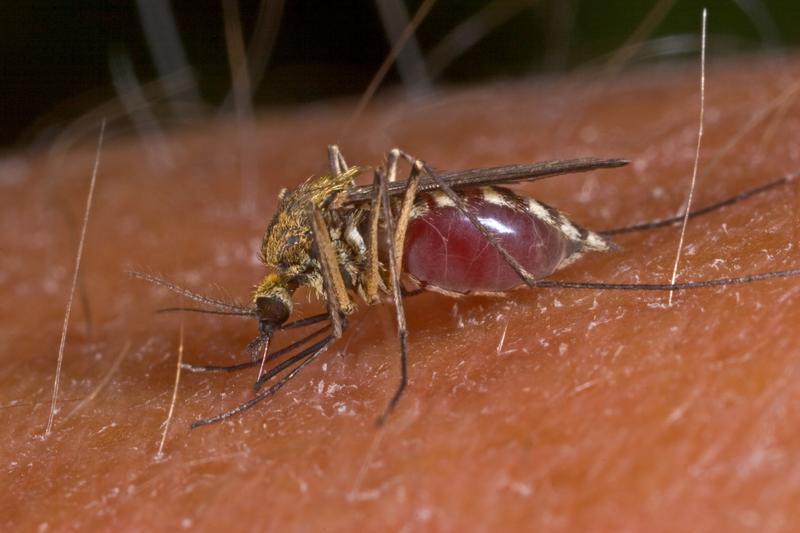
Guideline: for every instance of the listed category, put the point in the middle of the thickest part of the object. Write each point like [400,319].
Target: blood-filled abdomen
[444,250]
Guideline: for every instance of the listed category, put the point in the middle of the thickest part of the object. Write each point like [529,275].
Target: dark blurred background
[61,58]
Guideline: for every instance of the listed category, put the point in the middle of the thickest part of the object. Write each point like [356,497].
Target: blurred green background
[62,58]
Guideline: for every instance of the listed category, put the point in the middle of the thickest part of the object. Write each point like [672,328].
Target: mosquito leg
[219,368]
[257,343]
[409,196]
[303,322]
[391,164]
[306,357]
[277,369]
[523,274]
[397,297]
[719,282]
[336,160]
[405,155]
[415,292]
[335,290]
[373,276]
[257,362]
[784,180]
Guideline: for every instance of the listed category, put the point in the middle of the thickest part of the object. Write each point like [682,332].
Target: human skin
[545,410]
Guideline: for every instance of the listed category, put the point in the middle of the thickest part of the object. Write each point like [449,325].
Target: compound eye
[293,240]
[272,311]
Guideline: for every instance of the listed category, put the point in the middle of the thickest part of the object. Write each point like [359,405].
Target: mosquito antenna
[660,223]
[306,357]
[693,184]
[719,282]
[186,293]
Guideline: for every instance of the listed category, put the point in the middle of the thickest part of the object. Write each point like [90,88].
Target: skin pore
[546,410]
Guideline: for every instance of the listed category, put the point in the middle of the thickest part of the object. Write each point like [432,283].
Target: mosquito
[454,232]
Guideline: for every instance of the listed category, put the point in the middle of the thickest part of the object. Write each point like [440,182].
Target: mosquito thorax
[287,244]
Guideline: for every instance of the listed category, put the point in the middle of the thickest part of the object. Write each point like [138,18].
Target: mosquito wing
[460,179]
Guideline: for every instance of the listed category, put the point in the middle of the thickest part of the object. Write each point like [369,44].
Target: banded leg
[373,275]
[376,208]
[338,299]
[397,295]
[409,195]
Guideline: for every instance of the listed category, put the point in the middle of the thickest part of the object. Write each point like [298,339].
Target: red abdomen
[444,250]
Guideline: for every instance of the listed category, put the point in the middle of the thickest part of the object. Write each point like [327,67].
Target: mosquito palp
[202,311]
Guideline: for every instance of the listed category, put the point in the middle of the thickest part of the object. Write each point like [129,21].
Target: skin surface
[547,410]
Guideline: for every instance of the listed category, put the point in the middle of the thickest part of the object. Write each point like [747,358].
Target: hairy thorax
[288,243]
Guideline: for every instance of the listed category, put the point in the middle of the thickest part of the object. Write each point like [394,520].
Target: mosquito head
[273,301]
